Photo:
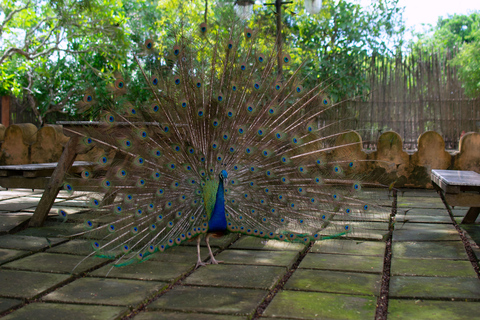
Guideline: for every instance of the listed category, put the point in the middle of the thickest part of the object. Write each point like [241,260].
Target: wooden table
[460,188]
[34,176]
[73,147]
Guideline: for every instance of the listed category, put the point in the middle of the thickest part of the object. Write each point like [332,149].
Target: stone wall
[24,144]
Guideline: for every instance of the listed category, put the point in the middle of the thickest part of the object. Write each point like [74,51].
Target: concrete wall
[24,144]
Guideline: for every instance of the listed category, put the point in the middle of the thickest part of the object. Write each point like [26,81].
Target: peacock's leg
[199,259]
[212,258]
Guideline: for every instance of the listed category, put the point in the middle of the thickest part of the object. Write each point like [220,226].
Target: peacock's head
[223,175]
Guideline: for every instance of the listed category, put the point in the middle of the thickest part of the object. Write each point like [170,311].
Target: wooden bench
[73,147]
[34,176]
[460,188]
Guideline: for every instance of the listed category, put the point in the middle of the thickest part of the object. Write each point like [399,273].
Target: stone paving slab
[317,305]
[148,270]
[70,210]
[73,203]
[370,235]
[459,211]
[421,202]
[407,193]
[476,252]
[16,204]
[105,291]
[232,301]
[371,225]
[237,276]
[254,243]
[15,241]
[51,230]
[459,220]
[342,262]
[354,286]
[434,287]
[355,247]
[75,246]
[186,254]
[16,193]
[425,232]
[335,282]
[437,212]
[54,263]
[221,242]
[432,267]
[7,304]
[424,227]
[8,255]
[25,284]
[9,222]
[271,258]
[432,310]
[473,231]
[161,315]
[423,218]
[431,250]
[48,311]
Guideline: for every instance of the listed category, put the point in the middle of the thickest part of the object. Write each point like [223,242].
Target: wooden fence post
[6,111]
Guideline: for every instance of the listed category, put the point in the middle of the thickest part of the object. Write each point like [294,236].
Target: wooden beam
[471,215]
[6,111]
[51,190]
[463,199]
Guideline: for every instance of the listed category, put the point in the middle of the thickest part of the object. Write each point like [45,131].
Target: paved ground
[431,276]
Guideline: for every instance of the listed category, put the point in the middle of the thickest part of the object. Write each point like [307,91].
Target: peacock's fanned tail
[213,102]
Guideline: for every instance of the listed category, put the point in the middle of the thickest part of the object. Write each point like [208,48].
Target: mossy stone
[233,301]
[318,305]
[24,284]
[342,262]
[432,310]
[254,257]
[335,282]
[48,311]
[432,267]
[116,292]
[434,288]
[238,276]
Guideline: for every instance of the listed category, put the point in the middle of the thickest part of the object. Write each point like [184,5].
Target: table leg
[471,215]
[53,187]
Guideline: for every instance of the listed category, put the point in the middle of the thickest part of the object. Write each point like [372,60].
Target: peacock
[219,140]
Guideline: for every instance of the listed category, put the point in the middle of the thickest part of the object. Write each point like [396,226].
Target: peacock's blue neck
[218,221]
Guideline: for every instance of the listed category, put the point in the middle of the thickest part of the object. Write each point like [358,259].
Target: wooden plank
[471,216]
[463,199]
[6,111]
[42,166]
[456,177]
[20,182]
[40,169]
[51,190]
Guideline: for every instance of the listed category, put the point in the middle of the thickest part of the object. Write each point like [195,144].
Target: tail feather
[214,104]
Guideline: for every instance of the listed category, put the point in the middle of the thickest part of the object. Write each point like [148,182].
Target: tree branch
[57,107]
[10,16]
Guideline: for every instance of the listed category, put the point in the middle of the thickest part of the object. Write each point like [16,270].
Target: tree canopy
[457,33]
[53,51]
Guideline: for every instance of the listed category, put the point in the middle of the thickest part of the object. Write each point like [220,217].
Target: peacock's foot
[200,264]
[213,261]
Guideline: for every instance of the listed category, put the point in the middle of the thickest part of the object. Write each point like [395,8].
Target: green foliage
[468,61]
[336,42]
[452,33]
[44,42]
[73,47]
